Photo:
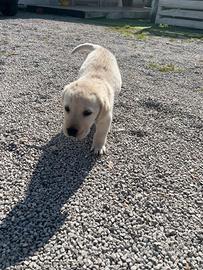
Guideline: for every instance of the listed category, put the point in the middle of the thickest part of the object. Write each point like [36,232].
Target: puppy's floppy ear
[63,92]
[66,89]
[104,107]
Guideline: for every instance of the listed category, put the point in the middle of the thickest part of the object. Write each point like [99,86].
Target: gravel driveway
[139,207]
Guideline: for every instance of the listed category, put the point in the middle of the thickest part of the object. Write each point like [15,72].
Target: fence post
[155,4]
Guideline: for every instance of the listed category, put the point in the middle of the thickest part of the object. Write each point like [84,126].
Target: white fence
[186,13]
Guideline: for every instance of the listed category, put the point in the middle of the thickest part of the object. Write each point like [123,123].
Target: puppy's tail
[85,46]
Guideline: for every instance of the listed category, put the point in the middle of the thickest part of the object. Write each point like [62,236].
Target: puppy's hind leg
[100,136]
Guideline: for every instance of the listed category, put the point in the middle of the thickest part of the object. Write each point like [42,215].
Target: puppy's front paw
[98,149]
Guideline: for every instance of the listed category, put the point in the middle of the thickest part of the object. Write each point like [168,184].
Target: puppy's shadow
[59,173]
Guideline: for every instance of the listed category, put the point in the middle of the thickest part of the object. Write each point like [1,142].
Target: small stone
[170,233]
[134,267]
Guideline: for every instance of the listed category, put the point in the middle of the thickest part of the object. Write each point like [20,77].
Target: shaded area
[57,11]
[59,173]
[139,28]
[176,112]
[145,27]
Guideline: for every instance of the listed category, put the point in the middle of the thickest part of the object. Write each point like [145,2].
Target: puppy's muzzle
[72,131]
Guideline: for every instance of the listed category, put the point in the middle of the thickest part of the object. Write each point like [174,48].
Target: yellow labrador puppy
[90,98]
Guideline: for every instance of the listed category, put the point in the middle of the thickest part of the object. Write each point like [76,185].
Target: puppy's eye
[67,109]
[87,113]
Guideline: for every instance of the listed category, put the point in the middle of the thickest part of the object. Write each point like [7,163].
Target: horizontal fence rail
[185,13]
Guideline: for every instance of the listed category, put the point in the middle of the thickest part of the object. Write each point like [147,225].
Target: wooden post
[120,3]
[155,4]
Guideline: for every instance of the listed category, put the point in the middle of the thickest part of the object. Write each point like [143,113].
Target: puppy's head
[82,106]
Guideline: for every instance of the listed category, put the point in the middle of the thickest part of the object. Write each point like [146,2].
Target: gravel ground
[139,207]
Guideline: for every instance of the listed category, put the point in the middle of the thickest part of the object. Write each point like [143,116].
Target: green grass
[143,29]
[200,89]
[144,32]
[133,31]
[142,36]
[165,68]
[7,54]
[2,53]
[161,25]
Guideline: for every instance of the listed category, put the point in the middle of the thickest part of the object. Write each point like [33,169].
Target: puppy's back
[100,63]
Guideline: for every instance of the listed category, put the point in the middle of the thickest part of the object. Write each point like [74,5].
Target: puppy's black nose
[72,131]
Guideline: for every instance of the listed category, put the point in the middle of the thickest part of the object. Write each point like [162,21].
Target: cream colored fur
[98,83]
